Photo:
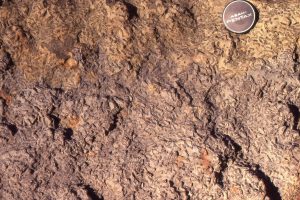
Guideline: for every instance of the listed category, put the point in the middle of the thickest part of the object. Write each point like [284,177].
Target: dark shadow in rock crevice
[271,190]
[68,133]
[55,121]
[223,166]
[114,123]
[132,11]
[296,114]
[92,193]
[13,128]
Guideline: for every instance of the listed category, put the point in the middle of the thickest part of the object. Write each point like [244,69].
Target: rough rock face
[148,99]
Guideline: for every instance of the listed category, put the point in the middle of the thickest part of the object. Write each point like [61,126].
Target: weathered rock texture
[148,99]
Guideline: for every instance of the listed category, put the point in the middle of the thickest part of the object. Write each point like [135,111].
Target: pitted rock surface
[140,99]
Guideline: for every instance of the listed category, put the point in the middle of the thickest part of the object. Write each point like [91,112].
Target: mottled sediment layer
[128,99]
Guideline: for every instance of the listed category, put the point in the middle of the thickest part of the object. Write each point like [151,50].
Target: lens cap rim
[254,16]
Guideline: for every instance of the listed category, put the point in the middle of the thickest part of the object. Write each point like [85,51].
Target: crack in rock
[296,56]
[187,94]
[237,156]
[114,123]
[271,190]
[132,11]
[92,193]
[172,185]
[219,175]
[68,133]
[296,114]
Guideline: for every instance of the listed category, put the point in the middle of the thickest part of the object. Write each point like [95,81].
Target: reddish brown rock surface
[128,99]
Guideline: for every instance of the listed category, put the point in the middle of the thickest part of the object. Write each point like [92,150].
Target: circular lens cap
[239,16]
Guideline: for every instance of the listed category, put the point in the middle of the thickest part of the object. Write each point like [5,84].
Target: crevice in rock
[271,190]
[68,133]
[177,94]
[190,14]
[45,3]
[6,63]
[210,105]
[187,94]
[172,185]
[236,149]
[229,142]
[187,193]
[132,10]
[223,166]
[13,128]
[296,56]
[55,121]
[235,152]
[114,123]
[92,193]
[296,114]
[237,156]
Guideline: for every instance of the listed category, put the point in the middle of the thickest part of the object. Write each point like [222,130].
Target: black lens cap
[239,16]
